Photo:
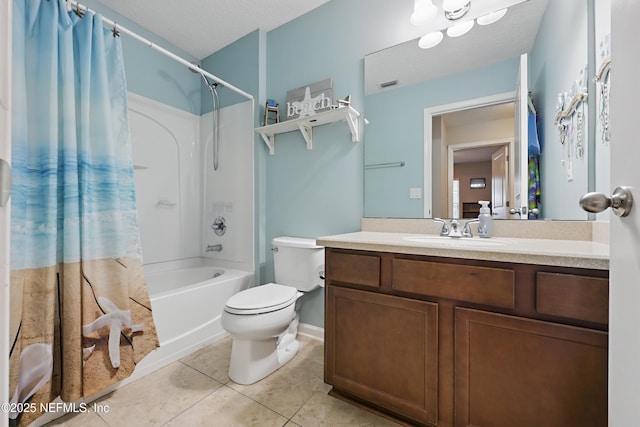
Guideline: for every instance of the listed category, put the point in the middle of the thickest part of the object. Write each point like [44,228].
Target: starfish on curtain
[116,319]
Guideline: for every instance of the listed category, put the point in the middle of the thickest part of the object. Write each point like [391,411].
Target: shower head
[204,78]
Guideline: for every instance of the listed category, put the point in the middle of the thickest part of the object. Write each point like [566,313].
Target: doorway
[462,141]
[483,171]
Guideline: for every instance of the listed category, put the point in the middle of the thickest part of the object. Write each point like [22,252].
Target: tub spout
[214,248]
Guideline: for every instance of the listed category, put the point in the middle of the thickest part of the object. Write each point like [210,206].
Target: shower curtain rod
[119,28]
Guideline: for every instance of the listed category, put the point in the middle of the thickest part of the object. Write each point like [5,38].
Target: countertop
[566,253]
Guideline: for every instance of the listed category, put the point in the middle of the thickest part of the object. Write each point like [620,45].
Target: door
[521,182]
[513,371]
[624,317]
[5,214]
[383,349]
[499,183]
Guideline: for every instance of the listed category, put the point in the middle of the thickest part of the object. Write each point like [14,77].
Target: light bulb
[430,40]
[492,17]
[460,28]
[424,11]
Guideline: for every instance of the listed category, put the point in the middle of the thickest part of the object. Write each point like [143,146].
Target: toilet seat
[262,299]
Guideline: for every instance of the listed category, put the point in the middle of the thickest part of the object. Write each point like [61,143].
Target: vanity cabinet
[444,341]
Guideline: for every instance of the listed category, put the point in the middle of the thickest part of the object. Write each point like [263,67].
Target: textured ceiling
[202,27]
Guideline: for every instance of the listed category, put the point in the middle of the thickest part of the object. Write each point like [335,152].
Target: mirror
[422,108]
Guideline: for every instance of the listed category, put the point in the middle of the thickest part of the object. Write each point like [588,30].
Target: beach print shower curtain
[80,312]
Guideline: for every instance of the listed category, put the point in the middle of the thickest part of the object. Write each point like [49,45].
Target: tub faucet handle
[219,226]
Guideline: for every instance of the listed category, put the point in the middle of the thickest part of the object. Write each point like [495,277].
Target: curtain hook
[78,11]
[115,31]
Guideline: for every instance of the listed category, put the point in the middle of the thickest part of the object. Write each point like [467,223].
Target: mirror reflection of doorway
[482,171]
[500,182]
[473,137]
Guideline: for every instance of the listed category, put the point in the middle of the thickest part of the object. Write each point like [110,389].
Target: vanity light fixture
[492,17]
[424,11]
[430,40]
[455,9]
[460,28]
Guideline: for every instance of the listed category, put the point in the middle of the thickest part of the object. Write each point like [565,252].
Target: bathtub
[187,298]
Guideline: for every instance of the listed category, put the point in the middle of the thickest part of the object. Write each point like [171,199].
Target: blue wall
[237,64]
[151,74]
[559,53]
[320,192]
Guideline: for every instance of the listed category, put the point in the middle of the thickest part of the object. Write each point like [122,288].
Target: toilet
[263,320]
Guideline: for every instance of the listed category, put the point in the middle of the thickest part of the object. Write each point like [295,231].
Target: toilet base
[252,359]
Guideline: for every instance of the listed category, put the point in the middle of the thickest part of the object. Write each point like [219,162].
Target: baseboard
[311,331]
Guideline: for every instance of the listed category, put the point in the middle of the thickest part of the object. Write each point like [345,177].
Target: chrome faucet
[445,227]
[452,229]
[466,230]
[214,248]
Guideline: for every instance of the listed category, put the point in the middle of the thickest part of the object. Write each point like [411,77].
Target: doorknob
[620,201]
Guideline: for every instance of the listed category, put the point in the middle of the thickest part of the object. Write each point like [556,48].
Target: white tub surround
[567,253]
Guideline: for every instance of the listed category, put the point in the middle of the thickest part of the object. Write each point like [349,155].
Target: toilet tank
[298,262]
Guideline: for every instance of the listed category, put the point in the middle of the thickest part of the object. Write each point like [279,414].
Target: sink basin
[458,242]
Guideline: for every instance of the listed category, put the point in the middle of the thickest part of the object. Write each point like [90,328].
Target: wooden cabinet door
[383,349]
[520,372]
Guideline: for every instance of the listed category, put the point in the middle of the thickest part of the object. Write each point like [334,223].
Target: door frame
[429,114]
[5,211]
[497,143]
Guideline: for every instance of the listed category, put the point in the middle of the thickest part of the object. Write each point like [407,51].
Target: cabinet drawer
[482,285]
[358,269]
[573,296]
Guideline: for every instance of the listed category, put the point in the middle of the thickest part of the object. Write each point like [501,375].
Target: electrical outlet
[415,193]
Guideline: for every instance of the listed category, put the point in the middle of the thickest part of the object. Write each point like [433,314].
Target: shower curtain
[80,312]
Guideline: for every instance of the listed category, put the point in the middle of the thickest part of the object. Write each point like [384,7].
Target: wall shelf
[306,124]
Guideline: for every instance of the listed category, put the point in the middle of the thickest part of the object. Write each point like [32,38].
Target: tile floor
[196,391]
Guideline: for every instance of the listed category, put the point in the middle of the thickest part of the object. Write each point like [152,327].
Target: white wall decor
[309,100]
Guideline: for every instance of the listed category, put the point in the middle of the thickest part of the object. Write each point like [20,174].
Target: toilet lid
[260,299]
